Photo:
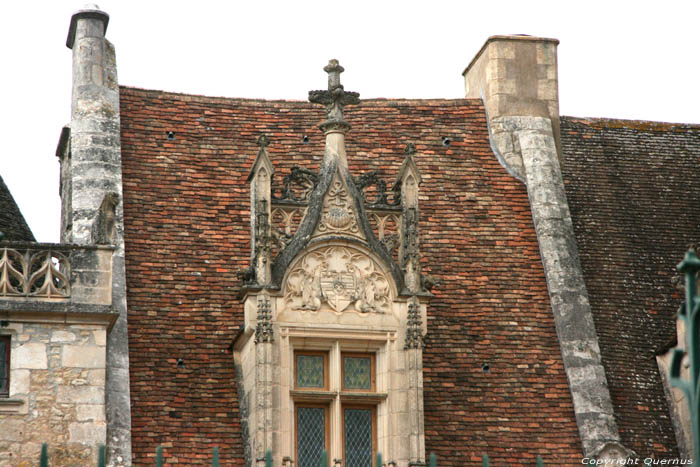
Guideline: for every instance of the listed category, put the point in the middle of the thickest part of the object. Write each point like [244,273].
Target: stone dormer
[334,314]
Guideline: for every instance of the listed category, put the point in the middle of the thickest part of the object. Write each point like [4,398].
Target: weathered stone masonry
[57,317]
[516,76]
[94,174]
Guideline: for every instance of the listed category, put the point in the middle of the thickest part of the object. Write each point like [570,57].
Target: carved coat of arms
[337,277]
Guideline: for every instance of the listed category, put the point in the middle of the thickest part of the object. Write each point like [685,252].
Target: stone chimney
[516,77]
[91,194]
[95,152]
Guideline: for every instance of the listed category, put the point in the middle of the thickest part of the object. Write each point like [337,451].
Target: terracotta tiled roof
[12,223]
[187,225]
[634,196]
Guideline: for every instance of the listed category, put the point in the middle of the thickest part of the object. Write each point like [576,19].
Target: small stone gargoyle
[103,227]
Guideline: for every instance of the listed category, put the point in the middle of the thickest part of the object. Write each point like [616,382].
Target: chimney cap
[90,10]
[512,37]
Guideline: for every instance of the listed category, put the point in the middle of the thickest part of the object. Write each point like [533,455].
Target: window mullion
[336,408]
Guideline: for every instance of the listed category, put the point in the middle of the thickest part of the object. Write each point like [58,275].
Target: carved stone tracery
[387,229]
[285,221]
[339,277]
[34,273]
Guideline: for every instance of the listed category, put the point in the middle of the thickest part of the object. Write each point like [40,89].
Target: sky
[617,59]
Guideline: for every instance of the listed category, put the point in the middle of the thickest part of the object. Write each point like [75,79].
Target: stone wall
[57,380]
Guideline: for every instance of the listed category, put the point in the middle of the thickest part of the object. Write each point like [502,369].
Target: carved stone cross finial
[335,99]
[334,70]
[263,141]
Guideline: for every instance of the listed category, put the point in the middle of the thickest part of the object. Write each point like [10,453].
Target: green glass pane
[358,438]
[309,371]
[311,439]
[357,373]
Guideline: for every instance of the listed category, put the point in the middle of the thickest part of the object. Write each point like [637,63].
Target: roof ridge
[382,100]
[650,125]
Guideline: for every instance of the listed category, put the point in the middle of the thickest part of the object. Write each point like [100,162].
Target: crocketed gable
[493,377]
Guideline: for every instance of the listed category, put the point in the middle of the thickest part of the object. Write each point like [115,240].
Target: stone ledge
[11,404]
[312,396]
[54,246]
[51,306]
[375,397]
[52,312]
[301,395]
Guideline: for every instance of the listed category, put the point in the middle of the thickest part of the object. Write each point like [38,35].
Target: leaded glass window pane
[310,371]
[311,435]
[357,373]
[4,361]
[358,438]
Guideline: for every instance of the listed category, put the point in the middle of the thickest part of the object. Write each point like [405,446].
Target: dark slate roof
[186,207]
[12,223]
[635,202]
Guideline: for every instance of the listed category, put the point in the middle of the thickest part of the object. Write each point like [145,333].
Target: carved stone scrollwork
[297,186]
[414,327]
[42,273]
[338,277]
[338,215]
[381,198]
[263,329]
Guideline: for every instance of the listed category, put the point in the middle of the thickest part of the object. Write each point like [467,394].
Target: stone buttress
[516,77]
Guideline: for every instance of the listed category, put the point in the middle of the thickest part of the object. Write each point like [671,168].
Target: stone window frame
[8,403]
[336,398]
[5,388]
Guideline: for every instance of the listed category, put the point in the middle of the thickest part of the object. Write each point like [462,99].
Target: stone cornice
[53,312]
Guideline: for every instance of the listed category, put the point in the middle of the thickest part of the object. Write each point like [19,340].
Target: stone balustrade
[55,272]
